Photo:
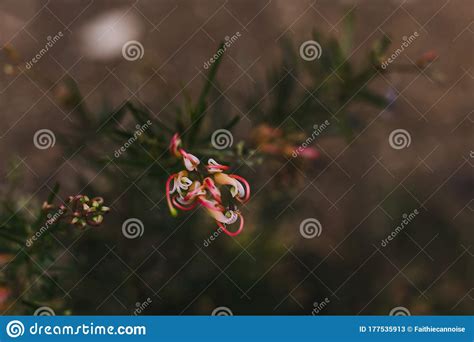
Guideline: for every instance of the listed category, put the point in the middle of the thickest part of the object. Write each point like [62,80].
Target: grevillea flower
[174,145]
[78,210]
[189,188]
[239,188]
[190,161]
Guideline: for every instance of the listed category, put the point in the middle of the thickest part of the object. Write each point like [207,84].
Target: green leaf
[53,193]
[197,113]
[348,32]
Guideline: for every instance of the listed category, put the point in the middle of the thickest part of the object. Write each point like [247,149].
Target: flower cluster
[197,185]
[79,210]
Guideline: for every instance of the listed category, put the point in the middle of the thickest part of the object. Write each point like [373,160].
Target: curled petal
[238,231]
[237,189]
[212,206]
[190,161]
[183,205]
[222,218]
[246,197]
[175,144]
[180,182]
[184,182]
[168,195]
[211,186]
[214,167]
[197,190]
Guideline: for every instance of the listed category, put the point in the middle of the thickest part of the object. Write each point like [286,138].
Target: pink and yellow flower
[185,194]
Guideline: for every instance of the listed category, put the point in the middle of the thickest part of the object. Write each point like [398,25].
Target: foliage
[308,92]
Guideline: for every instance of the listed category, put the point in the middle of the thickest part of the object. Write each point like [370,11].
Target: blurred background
[351,180]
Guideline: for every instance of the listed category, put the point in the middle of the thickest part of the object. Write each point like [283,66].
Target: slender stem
[11,238]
